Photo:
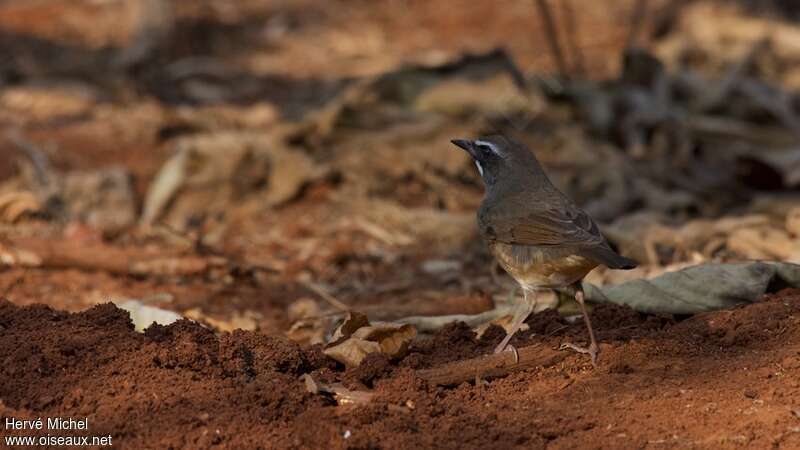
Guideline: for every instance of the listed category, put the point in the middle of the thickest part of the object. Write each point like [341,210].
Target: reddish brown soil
[728,379]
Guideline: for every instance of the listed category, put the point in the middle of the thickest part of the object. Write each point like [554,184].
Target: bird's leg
[593,350]
[522,313]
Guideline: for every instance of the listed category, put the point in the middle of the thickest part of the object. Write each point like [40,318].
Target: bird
[535,232]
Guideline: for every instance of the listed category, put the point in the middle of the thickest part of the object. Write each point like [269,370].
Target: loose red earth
[728,379]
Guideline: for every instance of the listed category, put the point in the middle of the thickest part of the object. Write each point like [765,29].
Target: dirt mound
[723,379]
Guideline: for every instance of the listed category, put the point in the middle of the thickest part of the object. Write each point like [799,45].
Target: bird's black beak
[466,145]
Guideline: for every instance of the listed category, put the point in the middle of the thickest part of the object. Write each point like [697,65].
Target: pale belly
[538,267]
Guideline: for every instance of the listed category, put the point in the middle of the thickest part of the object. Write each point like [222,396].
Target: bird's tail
[612,260]
[621,262]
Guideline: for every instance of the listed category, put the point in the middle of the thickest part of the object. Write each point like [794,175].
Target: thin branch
[35,252]
[552,37]
[41,164]
[325,295]
[433,323]
[573,42]
[492,366]
[637,20]
[718,92]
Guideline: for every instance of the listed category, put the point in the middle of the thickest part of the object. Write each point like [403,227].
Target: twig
[17,281]
[38,158]
[664,18]
[341,394]
[570,25]
[552,37]
[432,323]
[718,92]
[776,102]
[319,290]
[723,128]
[377,232]
[492,366]
[31,252]
[155,22]
[637,19]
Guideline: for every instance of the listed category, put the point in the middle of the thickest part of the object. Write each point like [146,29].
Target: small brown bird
[536,233]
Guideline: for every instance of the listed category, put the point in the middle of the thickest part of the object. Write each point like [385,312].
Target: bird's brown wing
[563,224]
[559,224]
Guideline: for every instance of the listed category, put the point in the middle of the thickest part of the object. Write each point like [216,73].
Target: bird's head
[499,159]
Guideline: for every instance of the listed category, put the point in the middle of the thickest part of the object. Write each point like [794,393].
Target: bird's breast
[541,266]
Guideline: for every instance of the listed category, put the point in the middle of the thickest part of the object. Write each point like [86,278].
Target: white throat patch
[480,168]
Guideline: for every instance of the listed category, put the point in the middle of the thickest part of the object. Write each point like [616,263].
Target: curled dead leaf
[211,171]
[19,257]
[393,339]
[341,394]
[352,322]
[309,324]
[764,243]
[177,266]
[244,320]
[14,205]
[352,351]
[793,221]
[143,315]
[389,339]
[303,308]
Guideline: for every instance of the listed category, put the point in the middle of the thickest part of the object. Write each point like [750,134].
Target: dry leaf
[309,324]
[211,171]
[19,257]
[14,205]
[341,394]
[352,351]
[764,243]
[309,331]
[303,308]
[352,322]
[393,339]
[793,222]
[246,320]
[101,198]
[143,315]
[357,339]
[177,266]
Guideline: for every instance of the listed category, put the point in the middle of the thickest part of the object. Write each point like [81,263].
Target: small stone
[750,393]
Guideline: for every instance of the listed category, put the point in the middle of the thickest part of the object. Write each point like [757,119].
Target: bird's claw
[592,350]
[508,348]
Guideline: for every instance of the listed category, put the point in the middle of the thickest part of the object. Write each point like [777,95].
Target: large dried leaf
[764,243]
[309,324]
[352,351]
[143,315]
[705,287]
[341,394]
[352,322]
[211,171]
[389,339]
[101,198]
[239,320]
[14,205]
[393,339]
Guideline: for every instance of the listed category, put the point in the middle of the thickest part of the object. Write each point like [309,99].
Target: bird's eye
[486,148]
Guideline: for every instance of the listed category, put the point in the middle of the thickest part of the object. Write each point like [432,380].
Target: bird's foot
[505,347]
[592,350]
